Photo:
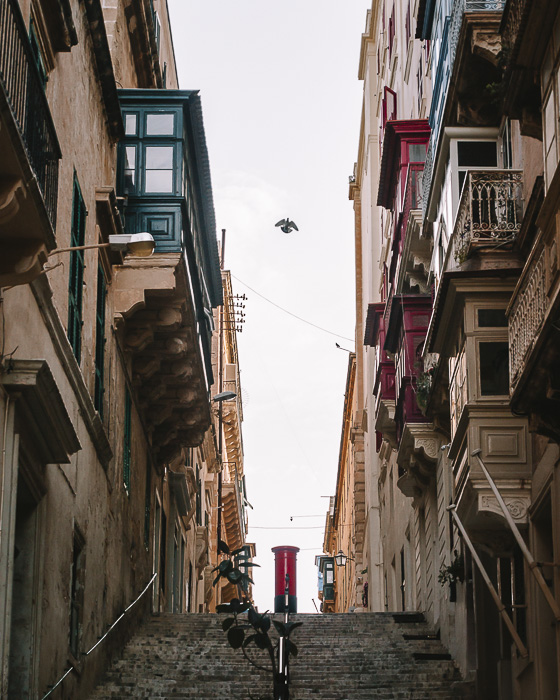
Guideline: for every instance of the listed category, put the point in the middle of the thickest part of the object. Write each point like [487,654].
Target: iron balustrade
[526,318]
[490,211]
[23,88]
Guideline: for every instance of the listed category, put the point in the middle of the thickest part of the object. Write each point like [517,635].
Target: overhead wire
[299,318]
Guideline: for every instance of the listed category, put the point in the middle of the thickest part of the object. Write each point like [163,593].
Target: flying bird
[287,226]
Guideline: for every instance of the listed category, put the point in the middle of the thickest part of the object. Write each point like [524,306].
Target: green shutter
[127,440]
[76,279]
[100,341]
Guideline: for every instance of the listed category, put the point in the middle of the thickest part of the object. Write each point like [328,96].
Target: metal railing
[526,317]
[22,84]
[101,639]
[490,211]
[531,563]
[487,580]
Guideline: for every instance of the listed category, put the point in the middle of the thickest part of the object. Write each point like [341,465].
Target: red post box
[285,564]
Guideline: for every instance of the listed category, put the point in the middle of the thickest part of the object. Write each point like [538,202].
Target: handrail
[533,565]
[499,604]
[115,623]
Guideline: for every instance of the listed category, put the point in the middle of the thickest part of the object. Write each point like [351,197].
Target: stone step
[371,656]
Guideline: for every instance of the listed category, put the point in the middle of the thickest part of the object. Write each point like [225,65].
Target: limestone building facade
[110,447]
[456,216]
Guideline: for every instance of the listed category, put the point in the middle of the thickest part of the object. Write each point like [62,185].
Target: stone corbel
[419,444]
[385,421]
[517,505]
[12,195]
[201,555]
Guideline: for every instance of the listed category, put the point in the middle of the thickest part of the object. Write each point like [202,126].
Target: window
[492,318]
[198,497]
[389,105]
[159,169]
[494,368]
[76,280]
[100,341]
[37,55]
[76,593]
[127,440]
[149,162]
[473,155]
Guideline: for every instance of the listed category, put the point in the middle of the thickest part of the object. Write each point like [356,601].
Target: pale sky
[282,104]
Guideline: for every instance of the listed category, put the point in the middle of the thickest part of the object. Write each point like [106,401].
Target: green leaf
[225,567]
[216,579]
[262,640]
[291,648]
[234,576]
[291,626]
[280,628]
[239,551]
[222,547]
[225,608]
[253,616]
[227,623]
[246,564]
[235,637]
[248,640]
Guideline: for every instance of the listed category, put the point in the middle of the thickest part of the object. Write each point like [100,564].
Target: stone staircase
[362,656]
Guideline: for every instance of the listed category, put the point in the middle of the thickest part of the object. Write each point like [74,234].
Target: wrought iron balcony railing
[23,88]
[526,317]
[490,211]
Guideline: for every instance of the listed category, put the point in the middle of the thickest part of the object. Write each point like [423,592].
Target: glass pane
[477,154]
[159,157]
[130,158]
[131,124]
[159,181]
[492,318]
[417,152]
[494,368]
[160,124]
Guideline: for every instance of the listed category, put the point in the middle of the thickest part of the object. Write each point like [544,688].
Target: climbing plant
[246,627]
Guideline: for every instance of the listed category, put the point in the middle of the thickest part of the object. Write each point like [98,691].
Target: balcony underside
[232,516]
[160,333]
[26,232]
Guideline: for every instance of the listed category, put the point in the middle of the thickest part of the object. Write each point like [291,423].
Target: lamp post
[341,558]
[139,245]
[219,399]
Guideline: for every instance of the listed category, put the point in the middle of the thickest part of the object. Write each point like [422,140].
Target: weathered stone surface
[341,657]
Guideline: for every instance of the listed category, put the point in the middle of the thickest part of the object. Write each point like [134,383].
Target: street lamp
[341,558]
[219,399]
[139,245]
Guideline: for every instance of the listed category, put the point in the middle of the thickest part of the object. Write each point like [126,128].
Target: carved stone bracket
[518,506]
[385,421]
[417,457]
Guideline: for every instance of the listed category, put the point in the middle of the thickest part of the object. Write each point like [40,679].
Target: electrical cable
[299,318]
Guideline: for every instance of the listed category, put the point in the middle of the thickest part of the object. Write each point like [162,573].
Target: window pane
[492,318]
[131,124]
[159,181]
[130,168]
[494,368]
[160,124]
[477,154]
[159,157]
[417,152]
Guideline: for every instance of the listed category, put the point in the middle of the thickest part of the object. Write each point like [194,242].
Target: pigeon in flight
[287,226]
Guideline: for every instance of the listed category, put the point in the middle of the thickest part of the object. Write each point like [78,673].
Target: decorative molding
[42,409]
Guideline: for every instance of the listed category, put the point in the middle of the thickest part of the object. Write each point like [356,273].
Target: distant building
[109,438]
